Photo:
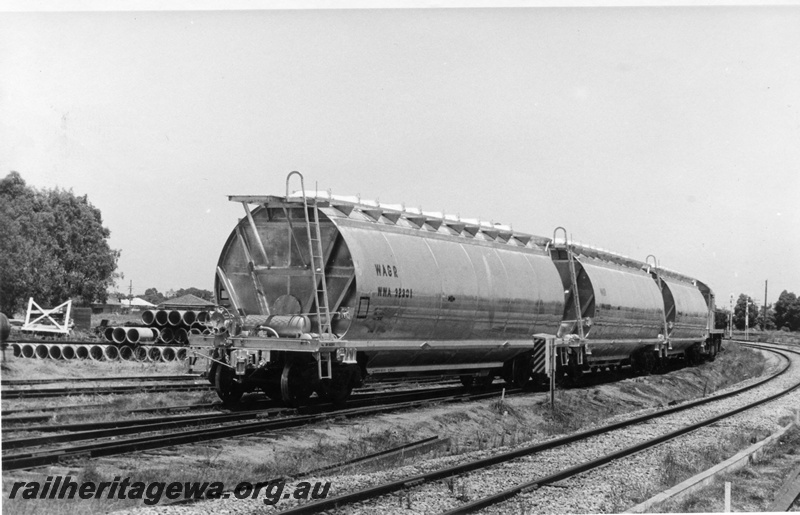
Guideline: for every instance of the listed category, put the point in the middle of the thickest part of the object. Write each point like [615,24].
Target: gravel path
[609,489]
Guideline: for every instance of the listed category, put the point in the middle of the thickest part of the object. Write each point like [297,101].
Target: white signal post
[747,318]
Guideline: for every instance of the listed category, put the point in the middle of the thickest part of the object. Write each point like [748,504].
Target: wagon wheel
[649,362]
[485,381]
[571,374]
[692,356]
[273,391]
[521,371]
[228,388]
[712,351]
[297,383]
[337,389]
[467,380]
[639,363]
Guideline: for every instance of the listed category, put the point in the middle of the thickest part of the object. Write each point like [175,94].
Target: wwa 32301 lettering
[385,291]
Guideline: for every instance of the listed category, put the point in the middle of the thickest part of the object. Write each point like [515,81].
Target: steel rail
[8,418]
[115,428]
[28,460]
[392,486]
[425,443]
[10,415]
[44,417]
[25,382]
[374,456]
[108,390]
[312,409]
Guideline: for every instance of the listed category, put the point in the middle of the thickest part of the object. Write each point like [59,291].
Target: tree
[203,294]
[153,296]
[786,312]
[54,247]
[739,313]
[721,317]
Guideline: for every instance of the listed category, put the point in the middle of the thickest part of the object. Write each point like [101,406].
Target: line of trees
[784,315]
[786,312]
[53,247]
[153,296]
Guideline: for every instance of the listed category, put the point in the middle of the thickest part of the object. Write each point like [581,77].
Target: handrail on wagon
[302,183]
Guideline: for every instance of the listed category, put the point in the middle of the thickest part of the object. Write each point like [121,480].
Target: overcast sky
[665,131]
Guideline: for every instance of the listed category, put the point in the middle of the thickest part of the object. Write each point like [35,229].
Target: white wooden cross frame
[45,314]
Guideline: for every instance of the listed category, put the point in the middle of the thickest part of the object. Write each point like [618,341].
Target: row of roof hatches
[493,230]
[401,208]
[417,218]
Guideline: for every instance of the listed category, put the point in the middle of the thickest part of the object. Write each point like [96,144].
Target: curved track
[375,492]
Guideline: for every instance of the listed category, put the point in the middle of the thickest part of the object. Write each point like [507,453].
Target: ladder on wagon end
[573,280]
[317,264]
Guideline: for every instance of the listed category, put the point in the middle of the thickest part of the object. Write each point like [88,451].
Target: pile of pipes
[96,352]
[163,326]
[161,336]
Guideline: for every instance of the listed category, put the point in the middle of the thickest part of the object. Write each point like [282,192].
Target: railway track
[35,414]
[38,393]
[310,414]
[551,461]
[28,382]
[50,413]
[265,408]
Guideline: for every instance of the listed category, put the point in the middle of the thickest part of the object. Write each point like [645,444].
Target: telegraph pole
[764,323]
[730,320]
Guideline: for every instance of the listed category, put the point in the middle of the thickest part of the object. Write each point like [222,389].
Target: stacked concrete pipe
[168,354]
[42,352]
[153,353]
[96,352]
[82,352]
[126,353]
[141,334]
[167,335]
[111,353]
[68,352]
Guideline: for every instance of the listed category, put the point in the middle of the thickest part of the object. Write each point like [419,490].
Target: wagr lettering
[386,270]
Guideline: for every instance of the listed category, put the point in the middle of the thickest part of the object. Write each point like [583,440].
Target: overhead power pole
[764,323]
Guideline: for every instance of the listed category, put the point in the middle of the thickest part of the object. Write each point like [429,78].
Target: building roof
[187,301]
[136,301]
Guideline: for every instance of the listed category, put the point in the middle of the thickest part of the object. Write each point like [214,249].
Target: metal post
[727,497]
[730,320]
[764,322]
[552,343]
[747,318]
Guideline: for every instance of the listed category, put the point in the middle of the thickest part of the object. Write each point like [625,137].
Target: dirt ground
[469,425]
